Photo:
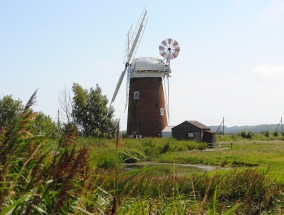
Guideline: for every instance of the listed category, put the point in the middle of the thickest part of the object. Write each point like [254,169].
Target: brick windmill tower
[148,88]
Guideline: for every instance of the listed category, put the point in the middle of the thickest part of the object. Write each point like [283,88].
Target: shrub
[250,134]
[165,148]
[267,133]
[243,134]
[247,134]
[275,133]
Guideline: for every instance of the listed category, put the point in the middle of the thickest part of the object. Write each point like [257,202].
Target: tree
[44,125]
[90,112]
[9,110]
[65,104]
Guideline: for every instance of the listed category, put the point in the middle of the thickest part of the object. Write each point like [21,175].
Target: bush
[247,134]
[267,133]
[243,134]
[250,134]
[275,133]
[165,148]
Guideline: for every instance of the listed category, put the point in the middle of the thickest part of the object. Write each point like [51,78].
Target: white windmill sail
[137,37]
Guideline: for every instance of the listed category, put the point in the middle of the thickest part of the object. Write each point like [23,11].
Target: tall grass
[197,193]
[133,150]
[36,177]
[71,176]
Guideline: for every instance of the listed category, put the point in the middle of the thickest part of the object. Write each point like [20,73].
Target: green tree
[9,110]
[90,112]
[44,125]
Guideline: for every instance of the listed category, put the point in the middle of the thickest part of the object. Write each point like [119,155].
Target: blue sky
[231,60]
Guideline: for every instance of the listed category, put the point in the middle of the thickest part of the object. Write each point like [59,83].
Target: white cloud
[266,70]
[275,13]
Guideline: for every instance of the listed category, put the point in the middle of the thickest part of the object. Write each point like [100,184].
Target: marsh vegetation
[62,173]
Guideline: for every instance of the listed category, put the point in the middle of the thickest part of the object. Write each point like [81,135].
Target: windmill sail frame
[137,37]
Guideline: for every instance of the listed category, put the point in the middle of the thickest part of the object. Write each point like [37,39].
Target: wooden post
[223,126]
[58,123]
[281,126]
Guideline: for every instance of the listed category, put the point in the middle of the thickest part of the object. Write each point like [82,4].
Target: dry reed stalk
[68,182]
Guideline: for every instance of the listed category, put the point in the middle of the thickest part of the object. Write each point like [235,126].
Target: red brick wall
[144,113]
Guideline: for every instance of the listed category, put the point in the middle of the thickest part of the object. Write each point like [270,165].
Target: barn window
[136,95]
[190,134]
[162,111]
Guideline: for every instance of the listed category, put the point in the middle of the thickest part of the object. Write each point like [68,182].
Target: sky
[231,62]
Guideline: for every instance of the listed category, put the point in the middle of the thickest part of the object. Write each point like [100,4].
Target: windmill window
[162,111]
[136,95]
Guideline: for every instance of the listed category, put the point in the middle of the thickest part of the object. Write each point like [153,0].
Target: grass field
[254,173]
[72,175]
[266,155]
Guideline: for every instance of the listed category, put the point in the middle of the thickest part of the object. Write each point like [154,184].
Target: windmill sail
[118,84]
[131,52]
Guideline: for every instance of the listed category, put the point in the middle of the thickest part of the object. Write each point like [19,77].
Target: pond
[160,169]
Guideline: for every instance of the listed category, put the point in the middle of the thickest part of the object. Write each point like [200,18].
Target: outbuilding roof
[197,124]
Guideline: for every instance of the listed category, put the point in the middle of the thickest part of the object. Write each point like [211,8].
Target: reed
[34,177]
[69,175]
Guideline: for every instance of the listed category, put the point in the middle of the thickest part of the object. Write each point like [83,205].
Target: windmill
[148,103]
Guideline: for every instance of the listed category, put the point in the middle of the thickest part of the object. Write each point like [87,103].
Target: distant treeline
[252,128]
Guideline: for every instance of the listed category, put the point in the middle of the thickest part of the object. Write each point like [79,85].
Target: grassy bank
[263,154]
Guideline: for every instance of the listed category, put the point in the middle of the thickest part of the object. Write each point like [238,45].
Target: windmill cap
[149,64]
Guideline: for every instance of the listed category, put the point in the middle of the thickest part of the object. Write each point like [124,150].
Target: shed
[209,137]
[193,130]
